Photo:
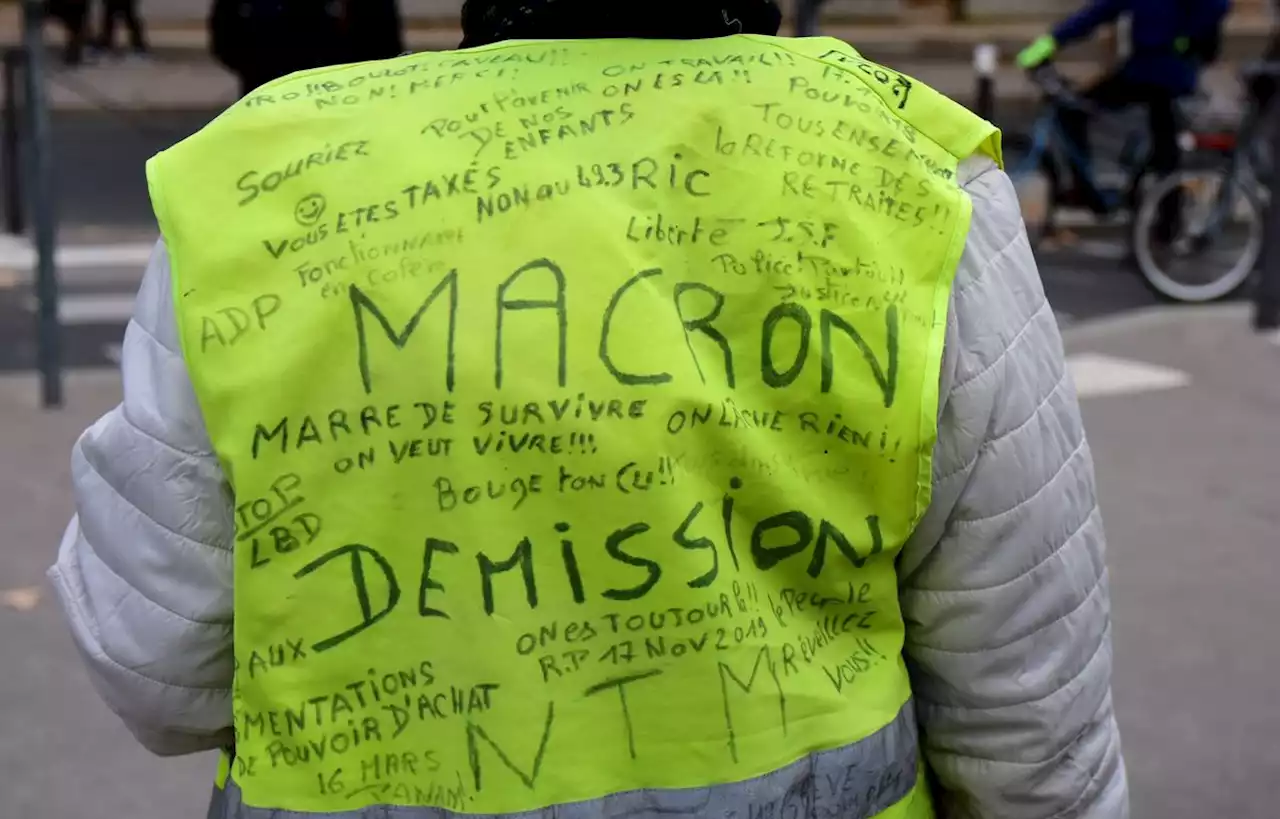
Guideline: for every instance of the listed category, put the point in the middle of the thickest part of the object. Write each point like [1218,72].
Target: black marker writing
[368,617]
[621,684]
[254,183]
[506,305]
[361,304]
[475,733]
[433,546]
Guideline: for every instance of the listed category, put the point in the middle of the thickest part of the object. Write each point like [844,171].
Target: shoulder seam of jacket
[981,276]
[1093,590]
[988,165]
[228,550]
[1044,303]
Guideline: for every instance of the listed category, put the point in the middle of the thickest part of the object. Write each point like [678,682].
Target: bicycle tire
[1218,287]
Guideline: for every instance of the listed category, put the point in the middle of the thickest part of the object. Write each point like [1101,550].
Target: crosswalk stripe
[102,308]
[17,253]
[1099,375]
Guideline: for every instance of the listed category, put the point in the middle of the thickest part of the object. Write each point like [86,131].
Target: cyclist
[1171,41]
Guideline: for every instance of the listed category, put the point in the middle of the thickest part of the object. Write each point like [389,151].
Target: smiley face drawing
[309,210]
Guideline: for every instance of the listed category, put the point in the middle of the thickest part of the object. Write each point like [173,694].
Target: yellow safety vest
[577,398]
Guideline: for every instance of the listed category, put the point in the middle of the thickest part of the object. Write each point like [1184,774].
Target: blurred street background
[1182,405]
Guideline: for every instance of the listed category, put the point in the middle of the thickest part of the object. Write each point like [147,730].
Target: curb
[1106,327]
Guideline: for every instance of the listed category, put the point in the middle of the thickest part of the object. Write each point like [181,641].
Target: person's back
[582,403]
[263,40]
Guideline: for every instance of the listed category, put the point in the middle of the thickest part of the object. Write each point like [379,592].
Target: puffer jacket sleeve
[1004,584]
[145,568]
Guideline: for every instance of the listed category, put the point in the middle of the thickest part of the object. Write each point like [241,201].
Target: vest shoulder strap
[948,124]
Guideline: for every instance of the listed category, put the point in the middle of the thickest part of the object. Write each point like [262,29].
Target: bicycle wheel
[1198,236]
[1035,179]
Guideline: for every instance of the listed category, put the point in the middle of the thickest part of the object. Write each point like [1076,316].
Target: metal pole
[807,17]
[1266,316]
[986,57]
[10,144]
[49,333]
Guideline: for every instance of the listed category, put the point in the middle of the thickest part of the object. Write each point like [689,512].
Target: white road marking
[1107,251]
[18,253]
[107,308]
[1099,375]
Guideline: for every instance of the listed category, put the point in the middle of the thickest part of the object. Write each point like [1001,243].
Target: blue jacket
[1156,27]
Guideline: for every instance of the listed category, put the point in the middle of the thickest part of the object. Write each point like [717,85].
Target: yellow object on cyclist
[1039,52]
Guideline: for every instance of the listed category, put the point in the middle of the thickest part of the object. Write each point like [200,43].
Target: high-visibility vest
[576,398]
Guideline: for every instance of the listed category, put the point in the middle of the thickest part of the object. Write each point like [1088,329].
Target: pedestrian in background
[263,40]
[373,31]
[125,11]
[74,16]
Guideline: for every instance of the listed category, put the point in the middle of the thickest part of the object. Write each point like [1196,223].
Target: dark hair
[490,21]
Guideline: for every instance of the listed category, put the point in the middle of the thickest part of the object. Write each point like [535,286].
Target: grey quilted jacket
[1003,586]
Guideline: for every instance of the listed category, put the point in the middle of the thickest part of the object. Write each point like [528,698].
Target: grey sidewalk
[62,754]
[1190,478]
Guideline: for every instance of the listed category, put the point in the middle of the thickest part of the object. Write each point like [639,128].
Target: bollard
[986,58]
[43,208]
[807,17]
[11,143]
[1266,315]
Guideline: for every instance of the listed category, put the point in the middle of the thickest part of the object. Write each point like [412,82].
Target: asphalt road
[99,162]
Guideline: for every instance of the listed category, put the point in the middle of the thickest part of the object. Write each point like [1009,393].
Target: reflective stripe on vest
[858,781]
[577,399]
